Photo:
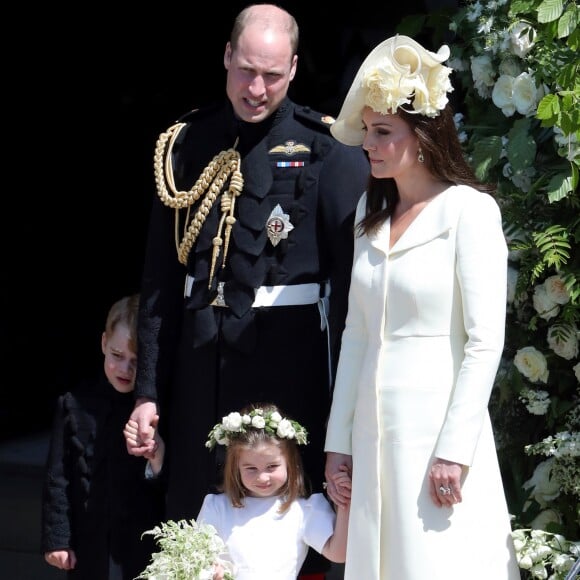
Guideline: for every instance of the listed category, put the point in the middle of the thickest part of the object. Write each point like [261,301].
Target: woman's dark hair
[444,158]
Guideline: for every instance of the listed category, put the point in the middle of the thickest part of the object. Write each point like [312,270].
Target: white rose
[556,290]
[502,95]
[531,363]
[576,369]
[522,37]
[276,417]
[543,304]
[232,422]
[563,340]
[544,488]
[258,422]
[285,430]
[246,419]
[524,94]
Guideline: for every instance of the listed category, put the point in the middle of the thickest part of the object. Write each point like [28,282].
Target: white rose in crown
[258,422]
[285,429]
[232,422]
[532,364]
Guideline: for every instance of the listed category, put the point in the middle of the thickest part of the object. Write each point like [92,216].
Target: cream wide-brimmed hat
[399,71]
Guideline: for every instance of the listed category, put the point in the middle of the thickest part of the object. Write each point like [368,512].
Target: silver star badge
[278,225]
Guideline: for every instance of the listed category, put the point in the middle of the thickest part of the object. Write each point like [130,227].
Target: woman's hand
[445,482]
[336,466]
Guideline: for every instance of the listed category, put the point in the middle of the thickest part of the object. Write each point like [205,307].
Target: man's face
[259,72]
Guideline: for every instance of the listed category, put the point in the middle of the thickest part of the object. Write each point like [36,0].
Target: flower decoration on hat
[398,73]
[407,74]
[236,425]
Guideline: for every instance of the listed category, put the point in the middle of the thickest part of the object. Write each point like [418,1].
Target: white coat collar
[434,220]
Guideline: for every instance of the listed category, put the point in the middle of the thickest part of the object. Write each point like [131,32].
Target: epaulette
[314,117]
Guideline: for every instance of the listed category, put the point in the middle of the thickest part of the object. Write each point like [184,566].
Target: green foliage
[523,135]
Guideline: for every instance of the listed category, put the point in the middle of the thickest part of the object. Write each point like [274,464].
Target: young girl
[264,515]
[96,502]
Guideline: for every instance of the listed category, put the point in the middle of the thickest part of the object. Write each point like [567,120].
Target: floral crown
[236,424]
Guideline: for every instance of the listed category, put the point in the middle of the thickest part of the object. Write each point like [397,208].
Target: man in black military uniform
[248,261]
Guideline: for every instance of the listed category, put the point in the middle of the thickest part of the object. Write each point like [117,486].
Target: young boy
[96,501]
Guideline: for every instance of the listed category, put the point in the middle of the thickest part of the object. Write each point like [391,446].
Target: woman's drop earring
[420,156]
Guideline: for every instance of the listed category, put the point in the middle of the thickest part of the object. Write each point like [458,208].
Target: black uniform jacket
[201,361]
[96,499]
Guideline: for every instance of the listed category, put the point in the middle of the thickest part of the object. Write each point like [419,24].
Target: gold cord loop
[212,181]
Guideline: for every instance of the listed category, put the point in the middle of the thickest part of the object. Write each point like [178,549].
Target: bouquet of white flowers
[189,551]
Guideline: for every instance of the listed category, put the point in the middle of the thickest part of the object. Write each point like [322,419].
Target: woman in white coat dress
[423,337]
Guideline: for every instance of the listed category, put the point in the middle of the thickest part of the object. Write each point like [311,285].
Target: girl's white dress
[421,347]
[263,544]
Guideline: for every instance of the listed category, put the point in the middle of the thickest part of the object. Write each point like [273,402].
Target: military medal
[278,225]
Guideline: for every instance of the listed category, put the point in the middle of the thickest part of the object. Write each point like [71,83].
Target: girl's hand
[343,482]
[335,463]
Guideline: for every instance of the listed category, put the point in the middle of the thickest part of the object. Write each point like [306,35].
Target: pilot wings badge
[278,225]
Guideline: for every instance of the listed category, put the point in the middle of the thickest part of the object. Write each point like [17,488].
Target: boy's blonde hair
[124,311]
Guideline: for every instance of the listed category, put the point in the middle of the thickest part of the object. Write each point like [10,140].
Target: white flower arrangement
[236,424]
[537,551]
[189,551]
